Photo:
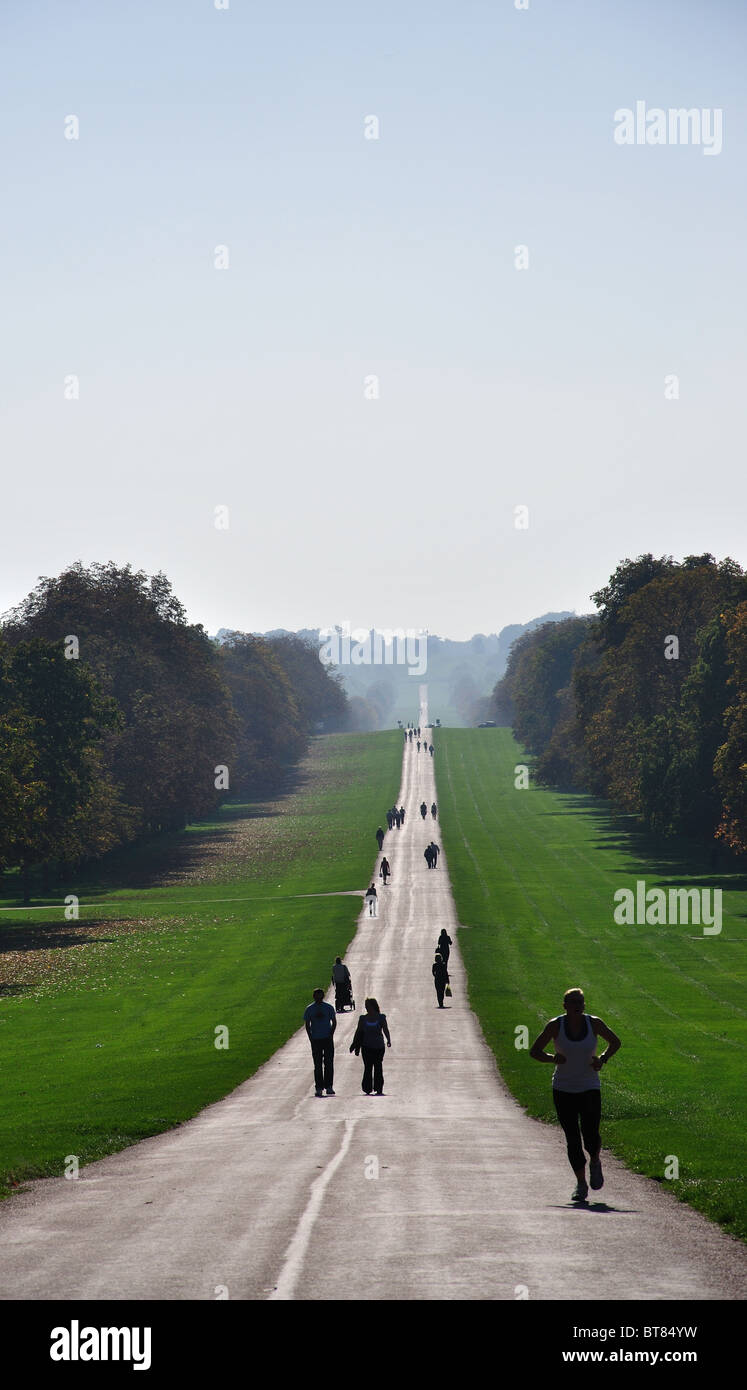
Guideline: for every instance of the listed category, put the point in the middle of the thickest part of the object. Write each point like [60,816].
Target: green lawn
[107,1025]
[534,873]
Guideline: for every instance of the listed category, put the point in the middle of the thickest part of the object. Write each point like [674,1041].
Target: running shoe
[596,1176]
[580,1193]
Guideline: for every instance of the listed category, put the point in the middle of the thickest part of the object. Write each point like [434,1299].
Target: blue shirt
[321,1020]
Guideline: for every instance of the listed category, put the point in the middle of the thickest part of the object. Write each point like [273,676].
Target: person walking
[380,838]
[369,1039]
[320,1022]
[397,819]
[342,983]
[372,898]
[576,1087]
[434,810]
[423,810]
[418,745]
[389,820]
[402,814]
[444,945]
[440,978]
[430,749]
[385,871]
[435,851]
[428,856]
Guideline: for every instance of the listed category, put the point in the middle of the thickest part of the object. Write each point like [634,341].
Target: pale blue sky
[349,257]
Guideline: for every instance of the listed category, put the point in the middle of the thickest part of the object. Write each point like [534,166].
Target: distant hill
[459,674]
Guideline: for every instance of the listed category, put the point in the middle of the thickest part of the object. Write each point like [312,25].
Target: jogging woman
[576,1088]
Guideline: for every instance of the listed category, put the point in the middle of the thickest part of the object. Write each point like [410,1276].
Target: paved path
[271,1193]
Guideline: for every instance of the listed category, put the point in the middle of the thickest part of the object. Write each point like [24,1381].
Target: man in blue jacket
[320,1021]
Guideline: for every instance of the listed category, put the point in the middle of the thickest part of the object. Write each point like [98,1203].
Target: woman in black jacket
[369,1039]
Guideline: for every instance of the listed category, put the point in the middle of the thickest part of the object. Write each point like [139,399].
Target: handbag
[447,991]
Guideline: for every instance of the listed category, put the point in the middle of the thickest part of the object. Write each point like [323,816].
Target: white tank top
[576,1073]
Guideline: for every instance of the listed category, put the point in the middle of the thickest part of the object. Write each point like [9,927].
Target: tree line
[119,719]
[645,701]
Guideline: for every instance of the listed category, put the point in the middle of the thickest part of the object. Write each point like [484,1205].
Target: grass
[534,873]
[107,1025]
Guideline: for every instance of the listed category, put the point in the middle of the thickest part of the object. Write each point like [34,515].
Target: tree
[730,763]
[319,694]
[271,732]
[52,714]
[177,722]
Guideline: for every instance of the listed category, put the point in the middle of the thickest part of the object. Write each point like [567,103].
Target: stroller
[344,995]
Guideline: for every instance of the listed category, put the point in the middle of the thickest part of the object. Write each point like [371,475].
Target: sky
[370,387]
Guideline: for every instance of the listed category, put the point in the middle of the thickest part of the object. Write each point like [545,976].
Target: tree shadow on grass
[158,860]
[39,936]
[703,866]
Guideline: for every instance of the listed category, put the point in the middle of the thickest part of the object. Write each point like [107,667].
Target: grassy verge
[107,1024]
[534,873]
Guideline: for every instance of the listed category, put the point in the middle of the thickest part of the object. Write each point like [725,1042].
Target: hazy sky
[352,257]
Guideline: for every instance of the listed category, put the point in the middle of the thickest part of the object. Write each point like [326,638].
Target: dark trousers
[440,992]
[585,1107]
[373,1059]
[323,1052]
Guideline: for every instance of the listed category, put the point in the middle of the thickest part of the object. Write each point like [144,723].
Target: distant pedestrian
[440,978]
[430,749]
[428,856]
[423,810]
[397,819]
[369,1039]
[385,871]
[418,731]
[434,810]
[435,851]
[380,838]
[576,1088]
[418,745]
[402,814]
[389,820]
[372,898]
[444,945]
[320,1022]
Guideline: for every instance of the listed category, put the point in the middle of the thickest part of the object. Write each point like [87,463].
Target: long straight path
[442,1188]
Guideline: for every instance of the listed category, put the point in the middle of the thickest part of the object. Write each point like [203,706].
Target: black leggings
[586,1107]
[373,1058]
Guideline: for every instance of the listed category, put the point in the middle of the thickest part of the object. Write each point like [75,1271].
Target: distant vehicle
[489,724]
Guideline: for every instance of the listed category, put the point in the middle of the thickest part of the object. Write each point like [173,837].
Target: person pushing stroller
[343,985]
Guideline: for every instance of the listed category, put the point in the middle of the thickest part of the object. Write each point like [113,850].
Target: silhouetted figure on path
[444,945]
[440,979]
[380,837]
